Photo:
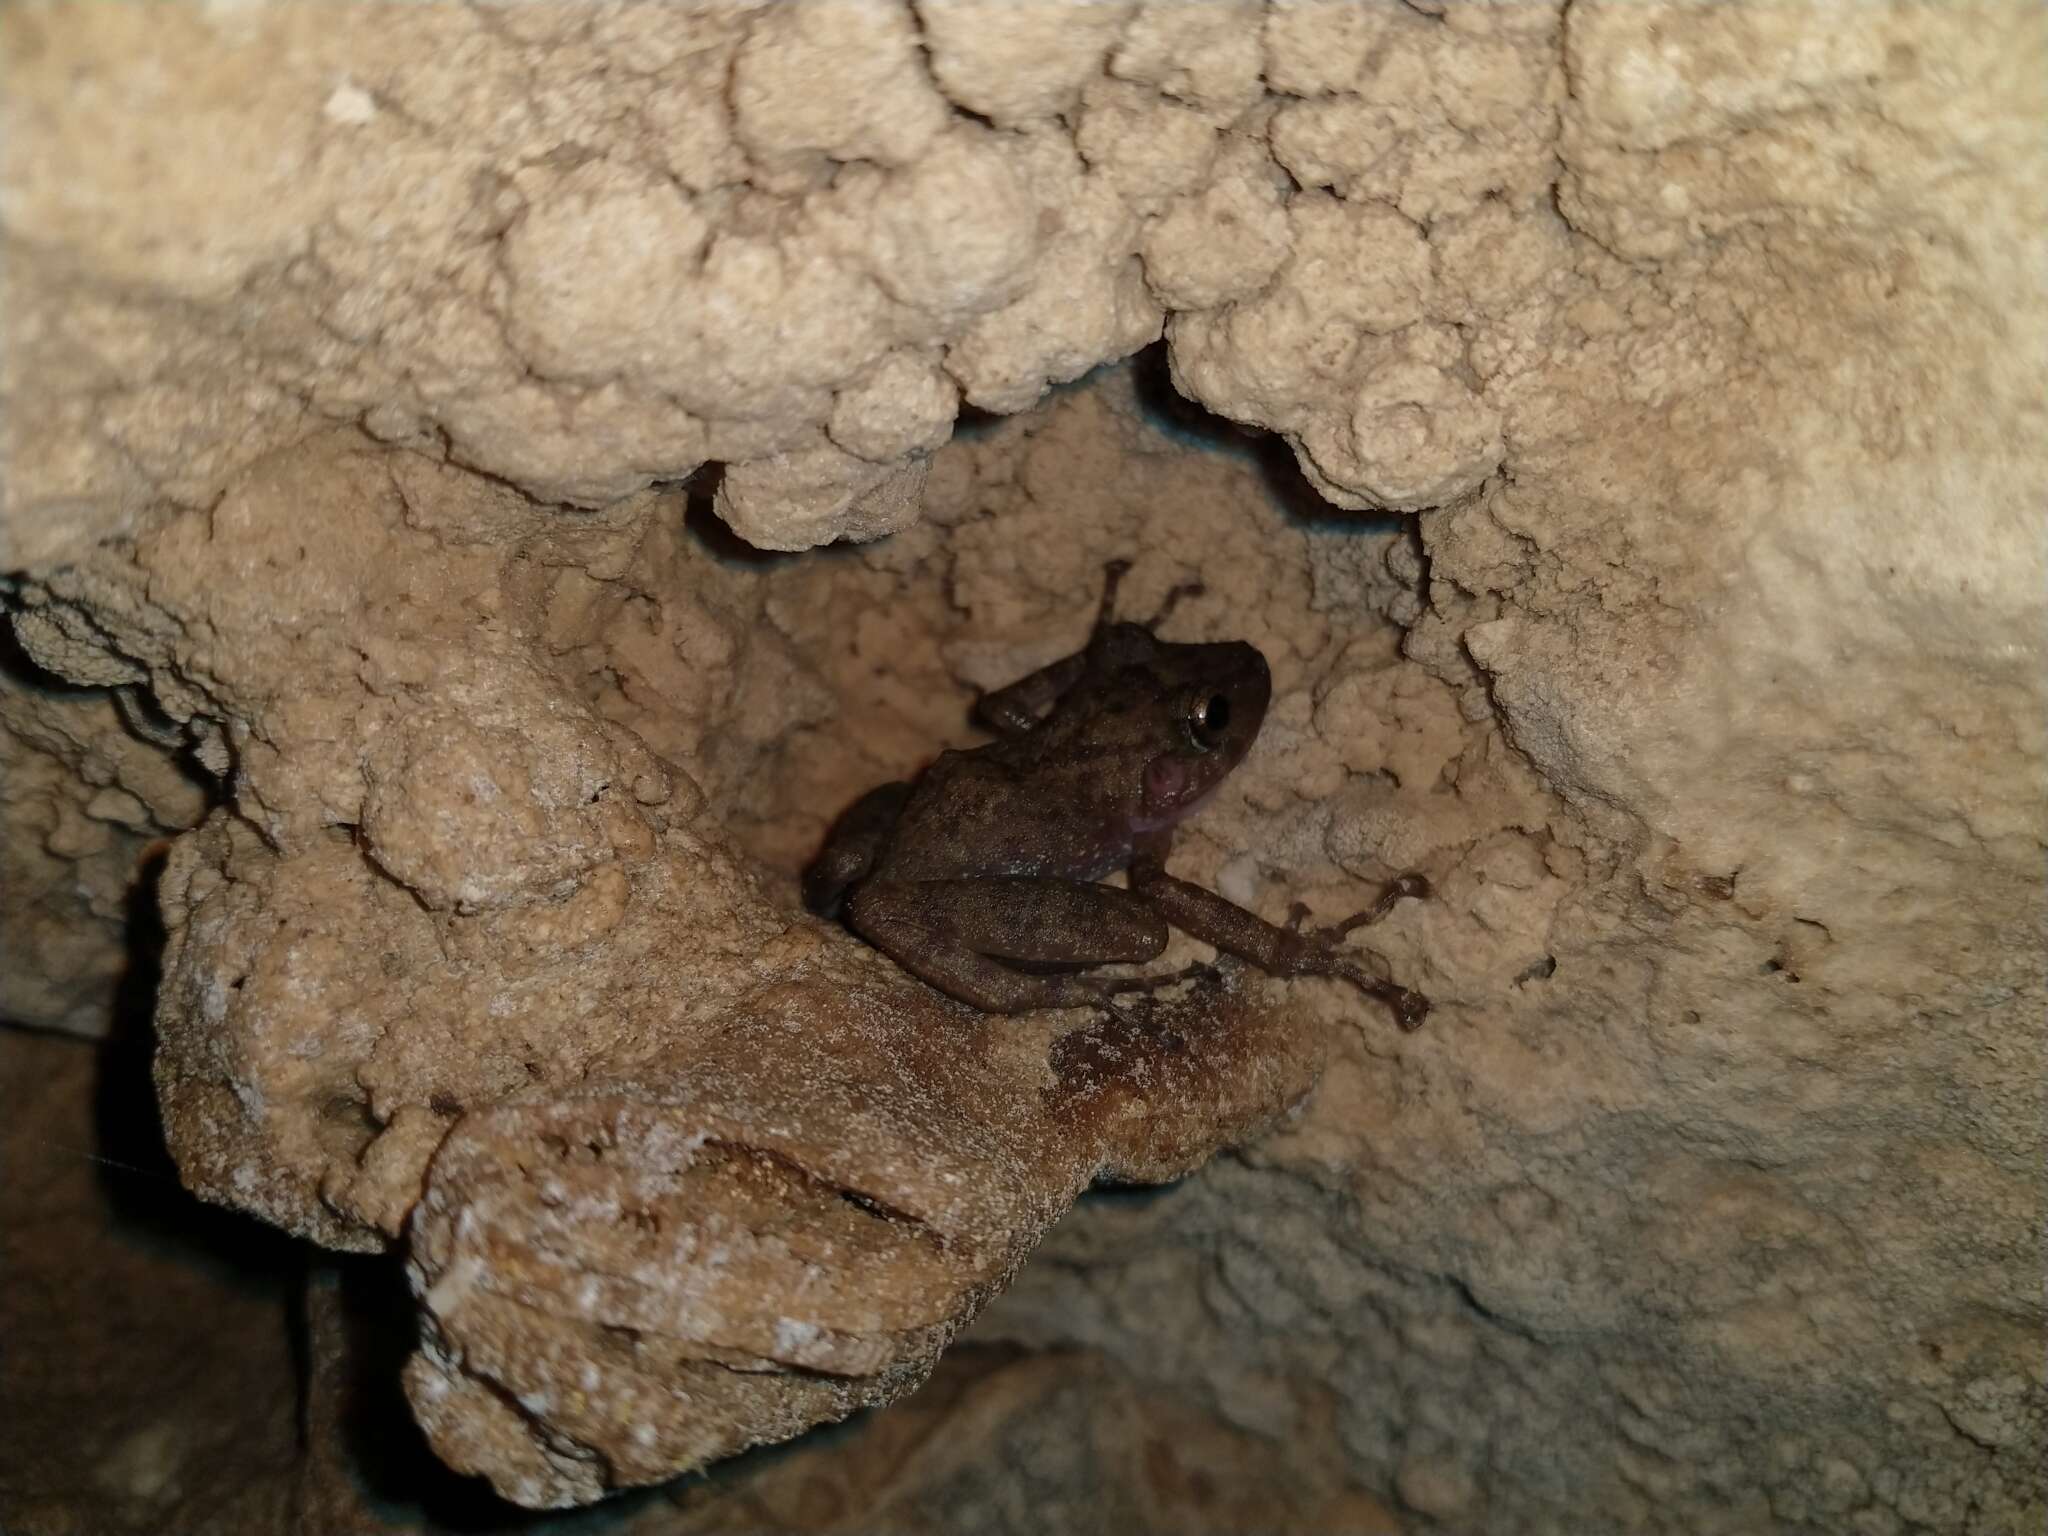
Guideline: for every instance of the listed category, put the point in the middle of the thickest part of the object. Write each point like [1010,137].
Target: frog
[985,876]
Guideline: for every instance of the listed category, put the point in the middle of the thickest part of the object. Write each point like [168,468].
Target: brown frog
[982,876]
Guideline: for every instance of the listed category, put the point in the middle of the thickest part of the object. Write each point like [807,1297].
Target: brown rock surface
[1060,1442]
[786,1221]
[1706,688]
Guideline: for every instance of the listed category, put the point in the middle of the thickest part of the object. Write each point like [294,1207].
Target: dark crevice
[712,534]
[860,1200]
[23,670]
[973,422]
[1498,1320]
[141,716]
[135,1159]
[1193,425]
[372,1327]
[17,664]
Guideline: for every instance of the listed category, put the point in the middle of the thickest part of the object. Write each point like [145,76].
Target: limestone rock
[352,381]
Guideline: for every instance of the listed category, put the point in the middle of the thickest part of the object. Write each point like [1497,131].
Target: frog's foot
[1410,1008]
[1172,600]
[1318,955]
[1117,986]
[1113,574]
[1410,884]
[1401,886]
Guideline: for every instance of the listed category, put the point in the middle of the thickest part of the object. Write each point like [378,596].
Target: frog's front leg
[1016,709]
[967,937]
[1278,951]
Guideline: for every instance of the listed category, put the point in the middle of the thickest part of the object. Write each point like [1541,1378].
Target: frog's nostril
[1165,778]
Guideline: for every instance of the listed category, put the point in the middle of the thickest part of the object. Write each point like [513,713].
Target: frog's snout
[1249,687]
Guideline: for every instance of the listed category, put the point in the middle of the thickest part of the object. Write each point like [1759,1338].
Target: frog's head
[1194,709]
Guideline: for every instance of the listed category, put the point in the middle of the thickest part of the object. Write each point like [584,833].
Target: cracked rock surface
[350,378]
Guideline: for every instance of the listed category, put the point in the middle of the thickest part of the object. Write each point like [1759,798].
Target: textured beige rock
[1226,240]
[825,77]
[1706,686]
[84,806]
[1150,147]
[1087,300]
[810,496]
[1207,56]
[459,898]
[1013,64]
[956,234]
[591,325]
[903,406]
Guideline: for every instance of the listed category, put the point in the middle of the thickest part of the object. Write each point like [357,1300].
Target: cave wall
[351,376]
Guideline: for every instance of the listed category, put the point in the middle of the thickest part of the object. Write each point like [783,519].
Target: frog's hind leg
[1280,951]
[852,846]
[968,937]
[1044,922]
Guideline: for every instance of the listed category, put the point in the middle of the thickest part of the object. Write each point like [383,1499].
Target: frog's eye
[1208,719]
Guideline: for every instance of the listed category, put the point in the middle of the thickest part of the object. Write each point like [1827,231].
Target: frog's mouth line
[1175,815]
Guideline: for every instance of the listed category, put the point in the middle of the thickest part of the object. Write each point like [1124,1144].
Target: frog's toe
[1402,887]
[1410,1009]
[1117,986]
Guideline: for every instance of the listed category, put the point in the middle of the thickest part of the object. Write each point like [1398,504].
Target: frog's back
[990,813]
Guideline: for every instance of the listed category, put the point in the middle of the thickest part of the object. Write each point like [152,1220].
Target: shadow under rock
[362,1323]
[137,1174]
[712,534]
[24,671]
[359,1319]
[1181,419]
[370,1323]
